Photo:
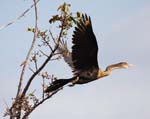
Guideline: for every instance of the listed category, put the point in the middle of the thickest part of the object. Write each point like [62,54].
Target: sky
[122,31]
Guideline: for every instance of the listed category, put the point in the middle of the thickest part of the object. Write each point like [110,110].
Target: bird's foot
[71,85]
[74,82]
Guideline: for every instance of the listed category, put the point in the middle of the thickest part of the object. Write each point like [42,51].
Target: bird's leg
[74,82]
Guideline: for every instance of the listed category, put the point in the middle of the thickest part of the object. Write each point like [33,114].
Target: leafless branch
[35,63]
[30,50]
[18,18]
[27,57]
[31,70]
[43,88]
[47,43]
[43,53]
[52,36]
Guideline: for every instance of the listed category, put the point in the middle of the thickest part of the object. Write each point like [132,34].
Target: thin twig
[31,70]
[48,45]
[43,53]
[18,18]
[35,63]
[57,58]
[52,36]
[43,86]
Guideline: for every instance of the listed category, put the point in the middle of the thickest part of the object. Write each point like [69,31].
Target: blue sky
[122,31]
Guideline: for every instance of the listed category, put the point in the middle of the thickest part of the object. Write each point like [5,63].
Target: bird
[83,58]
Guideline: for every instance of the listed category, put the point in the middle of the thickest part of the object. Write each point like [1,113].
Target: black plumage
[84,57]
[84,49]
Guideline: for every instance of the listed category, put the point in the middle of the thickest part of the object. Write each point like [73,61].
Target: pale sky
[122,29]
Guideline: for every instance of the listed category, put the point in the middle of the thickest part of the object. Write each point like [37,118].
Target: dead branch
[18,18]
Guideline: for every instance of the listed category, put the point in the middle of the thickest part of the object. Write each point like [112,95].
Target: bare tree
[25,102]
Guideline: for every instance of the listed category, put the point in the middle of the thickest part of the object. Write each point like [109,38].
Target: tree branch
[30,50]
[44,64]
[27,57]
[39,103]
[18,18]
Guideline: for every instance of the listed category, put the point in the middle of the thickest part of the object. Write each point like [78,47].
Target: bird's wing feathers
[84,49]
[64,51]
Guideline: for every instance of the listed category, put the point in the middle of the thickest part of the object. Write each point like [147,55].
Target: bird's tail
[58,84]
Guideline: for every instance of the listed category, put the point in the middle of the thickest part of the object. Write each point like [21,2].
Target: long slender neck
[108,70]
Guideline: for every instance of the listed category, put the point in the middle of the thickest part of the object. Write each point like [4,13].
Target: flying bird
[83,59]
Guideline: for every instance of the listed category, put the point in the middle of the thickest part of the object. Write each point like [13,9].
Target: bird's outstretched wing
[84,49]
[66,54]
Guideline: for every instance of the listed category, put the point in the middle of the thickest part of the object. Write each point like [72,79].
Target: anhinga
[83,59]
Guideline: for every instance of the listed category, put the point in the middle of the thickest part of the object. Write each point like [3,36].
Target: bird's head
[124,65]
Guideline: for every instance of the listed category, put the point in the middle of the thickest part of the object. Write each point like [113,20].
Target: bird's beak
[131,65]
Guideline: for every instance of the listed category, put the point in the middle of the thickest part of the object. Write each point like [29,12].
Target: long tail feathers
[57,84]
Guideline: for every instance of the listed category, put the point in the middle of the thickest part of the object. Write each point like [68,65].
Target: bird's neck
[103,73]
[107,71]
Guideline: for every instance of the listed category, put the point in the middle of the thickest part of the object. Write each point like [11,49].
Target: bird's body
[83,59]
